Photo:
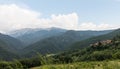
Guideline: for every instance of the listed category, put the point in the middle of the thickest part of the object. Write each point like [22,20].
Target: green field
[84,65]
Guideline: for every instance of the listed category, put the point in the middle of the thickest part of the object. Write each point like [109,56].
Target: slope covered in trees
[9,46]
[5,53]
[11,43]
[87,42]
[107,49]
[60,43]
[102,50]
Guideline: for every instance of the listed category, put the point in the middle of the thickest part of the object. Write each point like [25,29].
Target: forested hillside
[104,47]
[102,50]
[11,43]
[98,55]
[9,47]
[87,42]
[60,43]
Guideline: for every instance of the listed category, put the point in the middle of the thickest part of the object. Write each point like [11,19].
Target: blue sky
[88,11]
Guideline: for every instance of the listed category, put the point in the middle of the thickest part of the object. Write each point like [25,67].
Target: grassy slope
[84,65]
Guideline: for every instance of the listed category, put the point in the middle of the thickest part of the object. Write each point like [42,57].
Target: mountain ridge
[95,39]
[61,42]
[30,36]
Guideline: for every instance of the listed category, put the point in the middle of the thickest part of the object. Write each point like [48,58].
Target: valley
[69,49]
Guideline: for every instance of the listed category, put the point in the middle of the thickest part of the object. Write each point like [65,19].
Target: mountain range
[29,42]
[61,42]
[29,36]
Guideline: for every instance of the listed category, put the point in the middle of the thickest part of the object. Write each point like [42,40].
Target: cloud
[14,17]
[69,21]
[93,26]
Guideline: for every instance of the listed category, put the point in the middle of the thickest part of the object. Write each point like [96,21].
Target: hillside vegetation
[9,46]
[60,43]
[84,65]
[102,53]
[102,50]
[87,42]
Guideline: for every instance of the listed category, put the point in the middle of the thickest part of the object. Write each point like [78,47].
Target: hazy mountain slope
[30,36]
[10,43]
[7,55]
[59,43]
[17,33]
[6,52]
[87,42]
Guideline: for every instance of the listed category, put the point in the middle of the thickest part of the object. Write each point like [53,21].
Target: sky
[66,14]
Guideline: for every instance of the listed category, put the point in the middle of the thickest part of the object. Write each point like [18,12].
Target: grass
[84,65]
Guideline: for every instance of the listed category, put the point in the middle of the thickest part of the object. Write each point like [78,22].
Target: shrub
[5,65]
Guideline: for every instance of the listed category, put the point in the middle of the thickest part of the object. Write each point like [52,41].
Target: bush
[10,65]
[5,65]
[31,62]
[16,65]
[100,55]
[117,55]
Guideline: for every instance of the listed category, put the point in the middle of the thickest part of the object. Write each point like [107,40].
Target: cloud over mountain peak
[14,17]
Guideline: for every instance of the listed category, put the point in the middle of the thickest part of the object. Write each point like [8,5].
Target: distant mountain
[6,55]
[29,36]
[62,42]
[18,33]
[87,42]
[8,47]
[11,43]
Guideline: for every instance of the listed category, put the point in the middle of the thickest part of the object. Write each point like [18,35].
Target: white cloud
[15,17]
[93,26]
[69,21]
